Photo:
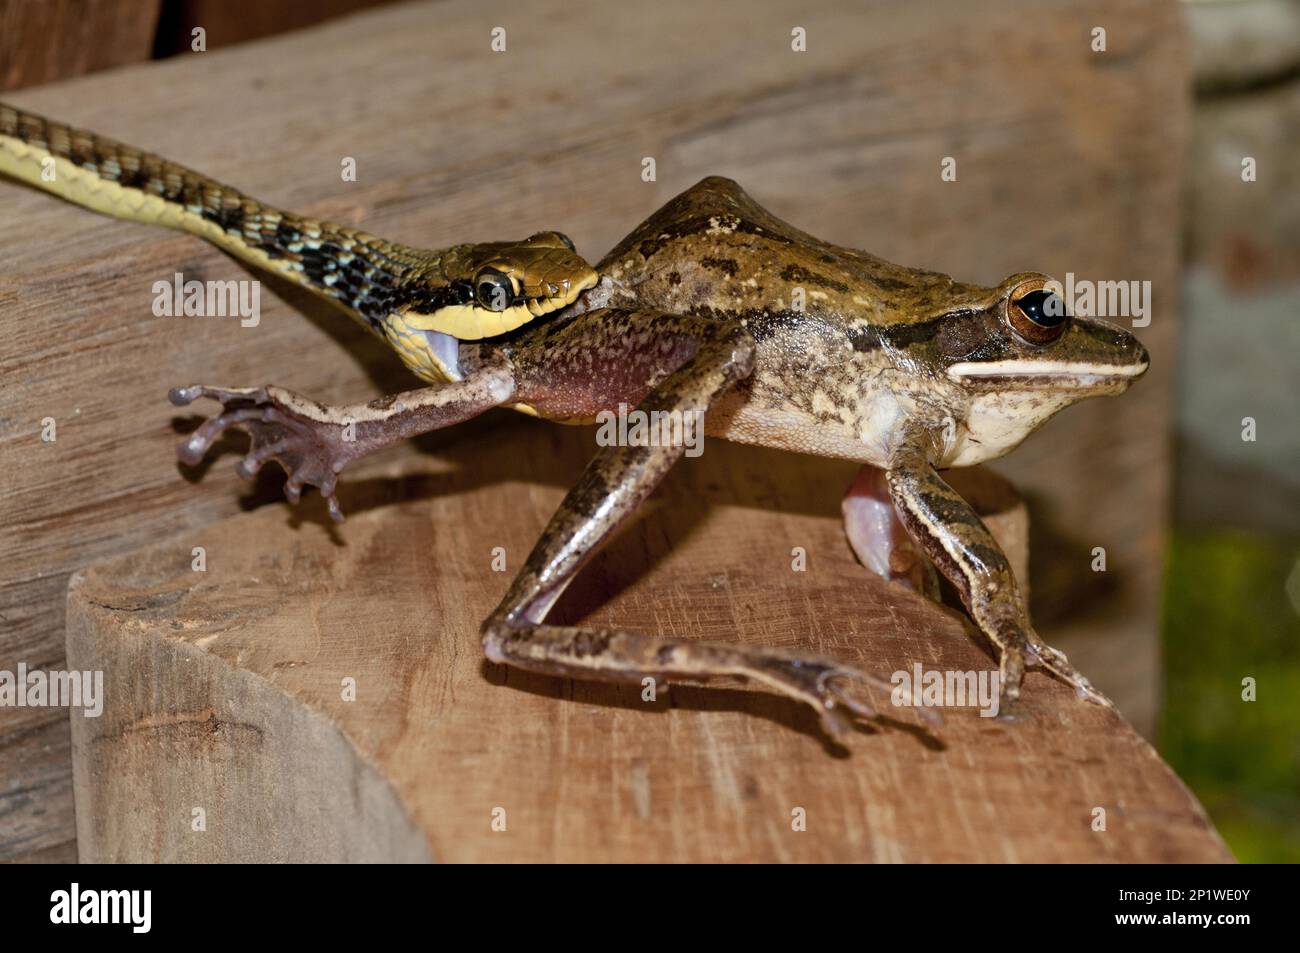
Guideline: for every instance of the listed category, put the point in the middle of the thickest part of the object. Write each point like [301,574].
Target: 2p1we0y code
[1195,894]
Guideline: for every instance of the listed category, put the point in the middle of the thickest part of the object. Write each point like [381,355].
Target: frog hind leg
[878,537]
[313,442]
[948,529]
[613,485]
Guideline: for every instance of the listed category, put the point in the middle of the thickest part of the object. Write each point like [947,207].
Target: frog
[715,307]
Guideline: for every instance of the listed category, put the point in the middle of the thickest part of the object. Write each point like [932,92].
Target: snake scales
[423,301]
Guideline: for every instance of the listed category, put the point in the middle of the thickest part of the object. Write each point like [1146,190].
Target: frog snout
[1132,355]
[1142,360]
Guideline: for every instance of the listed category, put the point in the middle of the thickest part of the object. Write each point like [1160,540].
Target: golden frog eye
[493,290]
[1037,315]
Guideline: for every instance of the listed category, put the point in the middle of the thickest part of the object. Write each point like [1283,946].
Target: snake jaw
[468,320]
[545,280]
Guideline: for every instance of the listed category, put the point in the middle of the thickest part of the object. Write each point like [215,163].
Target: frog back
[714,250]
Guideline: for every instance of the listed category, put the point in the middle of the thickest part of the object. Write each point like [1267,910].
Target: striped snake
[422,301]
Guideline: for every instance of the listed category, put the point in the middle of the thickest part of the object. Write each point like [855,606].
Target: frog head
[1019,357]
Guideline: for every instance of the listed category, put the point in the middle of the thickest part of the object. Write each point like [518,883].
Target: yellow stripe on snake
[423,301]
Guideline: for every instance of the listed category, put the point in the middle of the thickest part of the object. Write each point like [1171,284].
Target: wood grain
[226,694]
[46,40]
[227,22]
[1068,160]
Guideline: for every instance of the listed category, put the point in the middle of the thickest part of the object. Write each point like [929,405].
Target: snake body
[422,301]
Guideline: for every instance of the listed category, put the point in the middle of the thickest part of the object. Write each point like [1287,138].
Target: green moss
[1227,617]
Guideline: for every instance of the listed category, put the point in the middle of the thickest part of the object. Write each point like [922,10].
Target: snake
[424,302]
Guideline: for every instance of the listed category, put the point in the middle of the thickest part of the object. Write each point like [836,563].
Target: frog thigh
[878,537]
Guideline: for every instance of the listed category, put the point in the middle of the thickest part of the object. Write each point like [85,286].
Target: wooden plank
[225,24]
[46,40]
[227,694]
[1068,162]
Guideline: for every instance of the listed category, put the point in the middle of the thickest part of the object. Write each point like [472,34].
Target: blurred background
[1230,608]
[1232,585]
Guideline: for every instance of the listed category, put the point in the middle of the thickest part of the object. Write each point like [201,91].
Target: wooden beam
[228,692]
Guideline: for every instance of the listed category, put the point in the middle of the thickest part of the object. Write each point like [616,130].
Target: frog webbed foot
[298,434]
[1035,653]
[313,442]
[832,688]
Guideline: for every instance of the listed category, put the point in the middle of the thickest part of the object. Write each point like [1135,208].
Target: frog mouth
[1082,374]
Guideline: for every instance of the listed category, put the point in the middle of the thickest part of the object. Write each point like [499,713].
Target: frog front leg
[313,442]
[614,484]
[948,529]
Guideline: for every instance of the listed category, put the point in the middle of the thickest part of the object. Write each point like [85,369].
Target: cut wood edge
[198,671]
[201,767]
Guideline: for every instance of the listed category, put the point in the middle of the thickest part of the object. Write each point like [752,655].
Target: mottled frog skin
[877,345]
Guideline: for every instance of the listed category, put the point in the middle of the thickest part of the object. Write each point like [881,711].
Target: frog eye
[1037,315]
[493,290]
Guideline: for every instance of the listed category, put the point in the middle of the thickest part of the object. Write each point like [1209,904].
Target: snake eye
[493,290]
[567,242]
[1038,315]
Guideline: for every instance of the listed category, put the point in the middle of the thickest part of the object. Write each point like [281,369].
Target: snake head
[481,291]
[471,292]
